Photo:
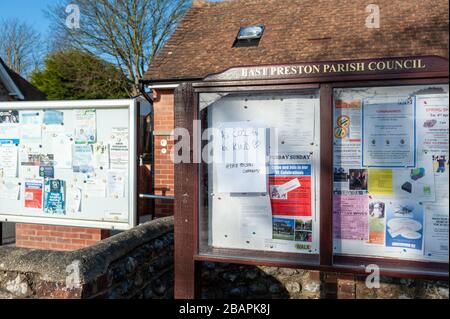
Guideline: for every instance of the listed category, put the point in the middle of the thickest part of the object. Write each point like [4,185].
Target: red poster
[33,194]
[290,190]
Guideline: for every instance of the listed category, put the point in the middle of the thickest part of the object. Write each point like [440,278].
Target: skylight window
[249,36]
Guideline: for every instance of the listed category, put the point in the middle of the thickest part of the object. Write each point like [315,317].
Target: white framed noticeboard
[69,163]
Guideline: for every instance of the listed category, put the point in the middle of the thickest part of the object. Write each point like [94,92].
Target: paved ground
[9,230]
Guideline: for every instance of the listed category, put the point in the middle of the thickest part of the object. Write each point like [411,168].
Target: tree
[128,33]
[20,46]
[76,75]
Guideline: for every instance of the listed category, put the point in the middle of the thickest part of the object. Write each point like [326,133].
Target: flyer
[350,216]
[54,197]
[8,159]
[290,184]
[240,159]
[255,217]
[436,230]
[82,159]
[30,127]
[58,143]
[115,185]
[9,127]
[404,224]
[119,148]
[85,126]
[433,123]
[380,182]
[389,138]
[33,194]
[377,214]
[10,188]
[416,183]
[347,133]
[101,156]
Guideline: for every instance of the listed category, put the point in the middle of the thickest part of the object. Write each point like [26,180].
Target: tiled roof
[299,31]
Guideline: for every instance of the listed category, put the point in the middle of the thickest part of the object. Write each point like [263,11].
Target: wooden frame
[187,186]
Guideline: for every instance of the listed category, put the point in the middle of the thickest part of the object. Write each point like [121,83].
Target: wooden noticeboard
[193,243]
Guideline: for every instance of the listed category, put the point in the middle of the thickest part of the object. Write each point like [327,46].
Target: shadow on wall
[230,281]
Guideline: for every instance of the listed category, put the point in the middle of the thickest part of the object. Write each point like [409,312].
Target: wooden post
[186,202]
[326,175]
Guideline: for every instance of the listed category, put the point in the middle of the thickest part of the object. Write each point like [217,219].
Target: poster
[119,148]
[33,194]
[10,189]
[433,123]
[82,161]
[85,126]
[115,184]
[436,230]
[9,127]
[54,196]
[8,160]
[377,214]
[350,216]
[240,159]
[347,133]
[389,132]
[290,184]
[404,224]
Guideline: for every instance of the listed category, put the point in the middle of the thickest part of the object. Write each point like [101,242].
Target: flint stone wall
[134,264]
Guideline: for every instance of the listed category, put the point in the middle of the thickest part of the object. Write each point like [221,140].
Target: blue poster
[404,225]
[53,117]
[54,196]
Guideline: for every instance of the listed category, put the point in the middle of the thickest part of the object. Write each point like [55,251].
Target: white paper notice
[8,160]
[94,188]
[119,148]
[85,126]
[74,197]
[30,127]
[82,160]
[388,132]
[436,230]
[255,217]
[115,187]
[58,143]
[240,159]
[10,189]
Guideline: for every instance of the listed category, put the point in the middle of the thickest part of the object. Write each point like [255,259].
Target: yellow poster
[380,182]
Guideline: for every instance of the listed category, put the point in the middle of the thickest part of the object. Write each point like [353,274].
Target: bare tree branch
[129,33]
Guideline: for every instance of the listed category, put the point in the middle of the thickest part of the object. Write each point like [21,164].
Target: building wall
[163,110]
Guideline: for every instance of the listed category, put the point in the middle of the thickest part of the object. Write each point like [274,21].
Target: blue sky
[30,11]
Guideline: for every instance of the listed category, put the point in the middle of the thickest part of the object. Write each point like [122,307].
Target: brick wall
[163,107]
[60,238]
